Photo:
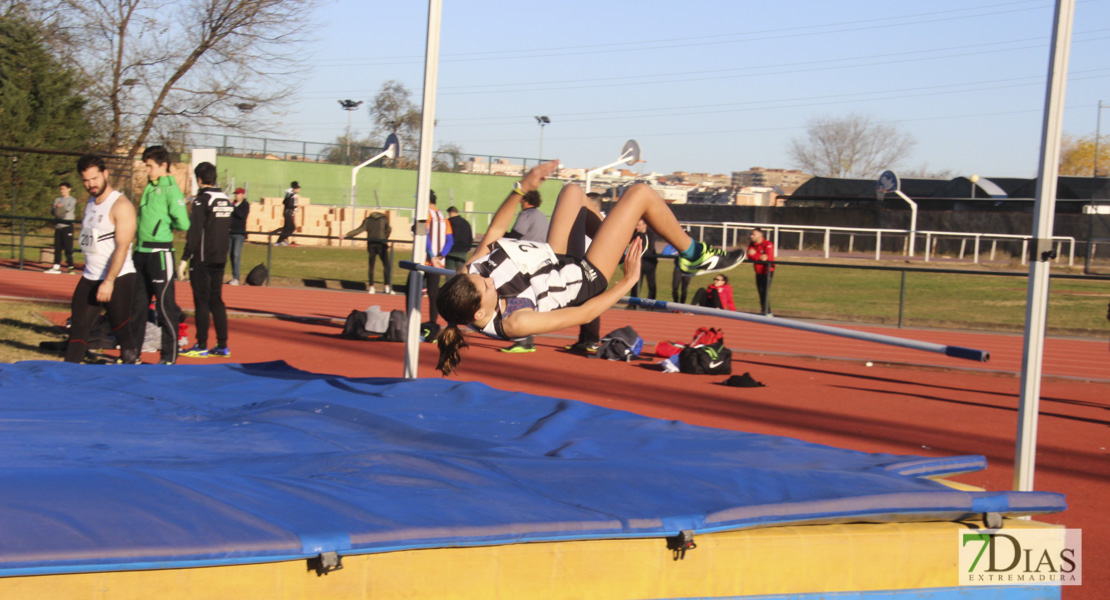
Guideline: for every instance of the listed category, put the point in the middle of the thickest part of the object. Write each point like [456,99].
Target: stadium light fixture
[350,106]
[543,121]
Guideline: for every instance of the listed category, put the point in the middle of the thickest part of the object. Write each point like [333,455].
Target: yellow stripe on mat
[774,560]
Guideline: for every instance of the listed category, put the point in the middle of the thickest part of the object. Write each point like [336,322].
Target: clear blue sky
[713,86]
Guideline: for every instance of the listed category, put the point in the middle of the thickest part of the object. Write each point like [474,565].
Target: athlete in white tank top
[98,239]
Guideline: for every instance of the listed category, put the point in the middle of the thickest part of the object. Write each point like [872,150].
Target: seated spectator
[717,295]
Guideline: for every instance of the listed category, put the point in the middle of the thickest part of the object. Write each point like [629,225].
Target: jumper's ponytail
[450,342]
[457,301]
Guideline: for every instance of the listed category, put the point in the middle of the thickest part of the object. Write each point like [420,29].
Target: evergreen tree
[40,108]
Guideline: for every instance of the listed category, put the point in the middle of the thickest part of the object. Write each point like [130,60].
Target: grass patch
[22,327]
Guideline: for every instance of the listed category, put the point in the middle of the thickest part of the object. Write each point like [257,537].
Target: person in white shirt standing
[64,210]
[108,282]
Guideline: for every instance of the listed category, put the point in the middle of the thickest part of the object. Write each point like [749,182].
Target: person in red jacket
[717,295]
[760,251]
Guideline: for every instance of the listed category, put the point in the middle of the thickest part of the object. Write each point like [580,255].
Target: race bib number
[88,240]
[529,257]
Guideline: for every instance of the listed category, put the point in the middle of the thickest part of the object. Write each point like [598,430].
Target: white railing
[734,234]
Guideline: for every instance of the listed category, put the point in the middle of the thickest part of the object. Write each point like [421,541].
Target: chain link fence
[451,161]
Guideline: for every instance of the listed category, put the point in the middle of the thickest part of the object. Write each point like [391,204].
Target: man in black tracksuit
[377,229]
[206,250]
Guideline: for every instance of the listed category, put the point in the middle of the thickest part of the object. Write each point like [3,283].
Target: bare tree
[851,146]
[924,172]
[158,66]
[447,157]
[394,112]
[352,150]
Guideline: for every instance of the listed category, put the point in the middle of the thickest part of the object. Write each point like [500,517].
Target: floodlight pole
[423,187]
[1098,133]
[1036,311]
[590,174]
[543,121]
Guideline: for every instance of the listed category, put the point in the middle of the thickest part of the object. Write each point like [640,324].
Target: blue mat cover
[131,467]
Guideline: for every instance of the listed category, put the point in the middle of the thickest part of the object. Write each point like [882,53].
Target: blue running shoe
[197,351]
[223,352]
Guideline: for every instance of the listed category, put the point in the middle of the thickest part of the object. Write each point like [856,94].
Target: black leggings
[156,275]
[286,227]
[86,308]
[432,283]
[763,286]
[207,281]
[702,297]
[647,276]
[680,281]
[63,244]
[379,251]
[587,223]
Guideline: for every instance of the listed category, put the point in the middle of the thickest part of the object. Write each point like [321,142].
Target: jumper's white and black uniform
[531,275]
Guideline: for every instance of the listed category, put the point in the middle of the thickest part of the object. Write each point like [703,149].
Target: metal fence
[902,271]
[352,154]
[1097,257]
[22,234]
[23,237]
[854,240]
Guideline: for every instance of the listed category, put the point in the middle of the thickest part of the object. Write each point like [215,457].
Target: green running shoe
[711,260]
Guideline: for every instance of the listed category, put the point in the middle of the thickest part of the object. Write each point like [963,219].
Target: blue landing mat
[130,467]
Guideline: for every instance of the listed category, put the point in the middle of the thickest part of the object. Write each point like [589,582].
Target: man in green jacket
[161,211]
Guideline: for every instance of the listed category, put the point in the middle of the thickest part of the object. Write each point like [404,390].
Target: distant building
[786,180]
[702,179]
[499,166]
[757,196]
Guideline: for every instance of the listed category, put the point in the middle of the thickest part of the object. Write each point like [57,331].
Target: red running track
[910,402]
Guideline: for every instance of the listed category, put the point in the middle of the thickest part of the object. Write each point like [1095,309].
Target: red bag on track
[707,336]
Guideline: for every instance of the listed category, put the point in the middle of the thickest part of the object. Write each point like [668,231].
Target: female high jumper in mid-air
[511,289]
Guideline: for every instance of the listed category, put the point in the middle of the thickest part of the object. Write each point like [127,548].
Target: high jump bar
[953,351]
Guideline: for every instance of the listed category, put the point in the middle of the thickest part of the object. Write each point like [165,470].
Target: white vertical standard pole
[913,222]
[423,186]
[1036,311]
